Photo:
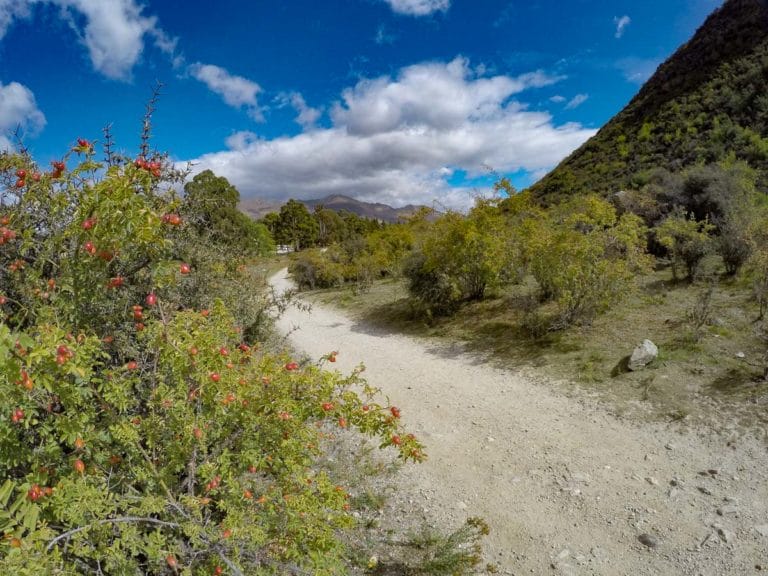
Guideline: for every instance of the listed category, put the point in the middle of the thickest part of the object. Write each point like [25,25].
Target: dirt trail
[566,487]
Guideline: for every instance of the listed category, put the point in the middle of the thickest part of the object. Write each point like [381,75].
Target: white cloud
[236,91]
[113,33]
[307,116]
[419,7]
[18,109]
[557,99]
[577,101]
[11,10]
[391,140]
[621,25]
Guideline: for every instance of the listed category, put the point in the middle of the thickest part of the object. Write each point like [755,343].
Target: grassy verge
[710,361]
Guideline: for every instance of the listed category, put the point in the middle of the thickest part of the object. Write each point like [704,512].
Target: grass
[697,376]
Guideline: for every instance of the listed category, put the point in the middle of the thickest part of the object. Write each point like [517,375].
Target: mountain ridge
[702,104]
[257,208]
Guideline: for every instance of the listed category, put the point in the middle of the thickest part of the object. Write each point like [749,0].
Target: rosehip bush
[139,433]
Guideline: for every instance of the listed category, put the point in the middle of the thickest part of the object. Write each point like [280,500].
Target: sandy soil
[566,487]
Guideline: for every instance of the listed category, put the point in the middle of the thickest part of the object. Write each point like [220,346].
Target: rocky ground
[567,487]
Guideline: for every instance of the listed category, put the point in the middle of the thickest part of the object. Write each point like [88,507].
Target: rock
[740,355]
[652,481]
[762,530]
[581,478]
[727,510]
[648,540]
[724,533]
[643,355]
[705,490]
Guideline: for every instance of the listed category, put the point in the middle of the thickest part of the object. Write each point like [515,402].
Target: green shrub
[139,433]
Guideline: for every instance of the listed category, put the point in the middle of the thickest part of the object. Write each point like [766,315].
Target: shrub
[461,257]
[582,256]
[687,240]
[139,433]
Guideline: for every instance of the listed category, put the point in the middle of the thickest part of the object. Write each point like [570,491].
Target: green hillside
[705,103]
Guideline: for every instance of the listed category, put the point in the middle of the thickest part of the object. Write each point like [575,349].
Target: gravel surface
[566,487]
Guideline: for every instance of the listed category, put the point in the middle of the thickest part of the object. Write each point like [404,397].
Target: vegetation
[143,428]
[210,206]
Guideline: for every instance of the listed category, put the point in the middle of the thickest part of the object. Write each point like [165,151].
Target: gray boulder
[643,355]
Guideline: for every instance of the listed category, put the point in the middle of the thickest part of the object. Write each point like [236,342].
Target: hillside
[705,103]
[257,208]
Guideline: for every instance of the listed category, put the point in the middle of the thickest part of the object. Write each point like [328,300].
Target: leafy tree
[295,226]
[210,204]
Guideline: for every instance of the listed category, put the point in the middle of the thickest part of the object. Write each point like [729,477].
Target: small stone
[564,553]
[705,490]
[727,510]
[724,533]
[581,478]
[713,471]
[740,355]
[648,540]
[669,446]
[461,505]
[762,530]
[652,481]
[643,355]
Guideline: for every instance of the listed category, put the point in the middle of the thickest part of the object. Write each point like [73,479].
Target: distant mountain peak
[257,208]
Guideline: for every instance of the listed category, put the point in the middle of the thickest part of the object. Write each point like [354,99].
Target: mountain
[258,208]
[707,102]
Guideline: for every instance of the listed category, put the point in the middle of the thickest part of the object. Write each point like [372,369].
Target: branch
[118,520]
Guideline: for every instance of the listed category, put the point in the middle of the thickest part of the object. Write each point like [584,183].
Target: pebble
[705,490]
[724,533]
[651,480]
[762,530]
[727,510]
[740,355]
[648,540]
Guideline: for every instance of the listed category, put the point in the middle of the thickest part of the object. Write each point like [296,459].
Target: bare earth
[566,487]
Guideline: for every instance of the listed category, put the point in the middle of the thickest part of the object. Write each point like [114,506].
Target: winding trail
[566,487]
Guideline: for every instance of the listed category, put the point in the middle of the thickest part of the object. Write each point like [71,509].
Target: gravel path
[567,488]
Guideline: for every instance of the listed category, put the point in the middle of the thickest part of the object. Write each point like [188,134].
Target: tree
[210,205]
[296,226]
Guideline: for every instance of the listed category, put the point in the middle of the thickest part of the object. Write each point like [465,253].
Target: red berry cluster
[58,169]
[171,219]
[63,355]
[17,416]
[35,493]
[153,167]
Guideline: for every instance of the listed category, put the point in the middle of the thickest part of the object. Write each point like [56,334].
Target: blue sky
[395,101]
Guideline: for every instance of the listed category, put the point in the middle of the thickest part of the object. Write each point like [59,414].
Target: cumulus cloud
[236,91]
[419,7]
[18,109]
[577,101]
[557,99]
[307,116]
[114,31]
[392,139]
[621,24]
